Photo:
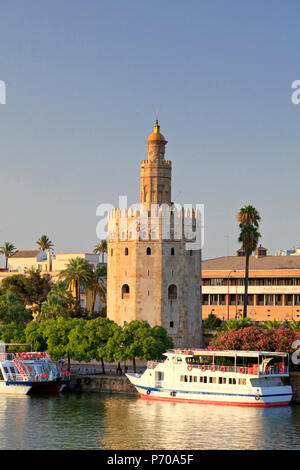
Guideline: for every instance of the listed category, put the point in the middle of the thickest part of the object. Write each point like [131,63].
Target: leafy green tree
[7,249]
[101,248]
[32,288]
[78,273]
[59,303]
[248,219]
[44,243]
[15,284]
[37,287]
[56,333]
[93,339]
[34,335]
[13,333]
[212,321]
[155,343]
[12,309]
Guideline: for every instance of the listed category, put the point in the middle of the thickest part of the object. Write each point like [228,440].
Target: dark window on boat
[232,381]
[212,380]
[13,370]
[195,378]
[5,370]
[160,376]
[222,380]
[203,379]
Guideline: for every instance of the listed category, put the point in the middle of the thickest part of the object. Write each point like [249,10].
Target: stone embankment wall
[120,384]
[101,383]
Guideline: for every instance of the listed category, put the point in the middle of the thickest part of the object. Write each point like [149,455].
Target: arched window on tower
[126,252]
[172,292]
[125,291]
[148,251]
[172,251]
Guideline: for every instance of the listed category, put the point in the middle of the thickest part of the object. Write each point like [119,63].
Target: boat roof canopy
[206,352]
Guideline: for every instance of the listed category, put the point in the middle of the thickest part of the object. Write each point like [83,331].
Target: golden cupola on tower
[156,172]
[156,144]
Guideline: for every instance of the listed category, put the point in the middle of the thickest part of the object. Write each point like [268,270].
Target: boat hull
[258,400]
[15,388]
[54,386]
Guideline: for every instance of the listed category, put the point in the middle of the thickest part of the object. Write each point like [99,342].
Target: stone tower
[151,275]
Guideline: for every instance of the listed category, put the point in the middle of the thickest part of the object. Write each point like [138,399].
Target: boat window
[212,380]
[203,379]
[195,378]
[13,370]
[222,380]
[242,381]
[1,375]
[160,376]
[232,381]
[177,360]
[5,369]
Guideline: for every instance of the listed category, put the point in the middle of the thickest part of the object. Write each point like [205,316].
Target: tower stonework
[151,275]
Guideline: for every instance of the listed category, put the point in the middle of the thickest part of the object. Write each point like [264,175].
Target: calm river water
[100,421]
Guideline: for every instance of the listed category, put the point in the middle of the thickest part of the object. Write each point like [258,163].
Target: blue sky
[84,80]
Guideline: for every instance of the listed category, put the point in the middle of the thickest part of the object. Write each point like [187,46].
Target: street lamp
[233,271]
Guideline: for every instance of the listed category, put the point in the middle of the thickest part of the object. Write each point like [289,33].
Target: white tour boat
[245,378]
[30,372]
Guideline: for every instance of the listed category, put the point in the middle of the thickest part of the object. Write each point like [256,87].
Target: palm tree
[249,237]
[44,243]
[78,273]
[101,248]
[248,215]
[8,249]
[98,286]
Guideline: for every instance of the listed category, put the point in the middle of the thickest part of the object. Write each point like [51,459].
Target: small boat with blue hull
[244,378]
[30,372]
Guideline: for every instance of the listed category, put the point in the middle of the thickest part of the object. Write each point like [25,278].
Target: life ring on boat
[203,368]
[257,397]
[23,356]
[213,369]
[189,368]
[29,356]
[148,392]
[222,369]
[242,370]
[67,373]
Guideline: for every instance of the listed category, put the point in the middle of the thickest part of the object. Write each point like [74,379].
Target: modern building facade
[151,276]
[273,291]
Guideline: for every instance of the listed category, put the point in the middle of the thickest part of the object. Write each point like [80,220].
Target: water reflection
[91,421]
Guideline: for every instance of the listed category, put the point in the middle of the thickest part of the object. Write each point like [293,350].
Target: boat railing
[255,369]
[153,364]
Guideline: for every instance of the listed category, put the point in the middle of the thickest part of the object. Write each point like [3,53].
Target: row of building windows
[172,292]
[283,281]
[212,380]
[261,299]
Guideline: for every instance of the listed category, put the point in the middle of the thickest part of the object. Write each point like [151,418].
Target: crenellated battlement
[162,222]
